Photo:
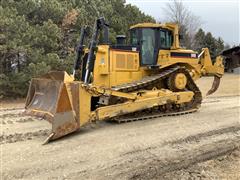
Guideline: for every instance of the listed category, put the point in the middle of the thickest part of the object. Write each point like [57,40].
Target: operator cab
[149,41]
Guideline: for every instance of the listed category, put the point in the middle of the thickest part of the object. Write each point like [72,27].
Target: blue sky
[220,17]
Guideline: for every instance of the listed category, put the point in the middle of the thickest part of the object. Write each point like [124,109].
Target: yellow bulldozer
[149,77]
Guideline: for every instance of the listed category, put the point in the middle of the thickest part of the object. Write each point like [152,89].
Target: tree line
[206,39]
[37,36]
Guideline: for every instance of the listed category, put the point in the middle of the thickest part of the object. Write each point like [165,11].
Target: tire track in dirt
[222,167]
[192,138]
[151,165]
[11,115]
[21,120]
[150,162]
[199,136]
[4,113]
[156,168]
[12,138]
[10,109]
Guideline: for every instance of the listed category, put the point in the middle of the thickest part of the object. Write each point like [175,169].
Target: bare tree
[189,23]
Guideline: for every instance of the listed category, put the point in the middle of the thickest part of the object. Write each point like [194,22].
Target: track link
[153,81]
[155,116]
[145,82]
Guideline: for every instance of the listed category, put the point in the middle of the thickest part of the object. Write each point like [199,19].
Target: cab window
[148,46]
[133,37]
[165,39]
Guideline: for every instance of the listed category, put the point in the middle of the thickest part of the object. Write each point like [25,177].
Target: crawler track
[157,115]
[164,110]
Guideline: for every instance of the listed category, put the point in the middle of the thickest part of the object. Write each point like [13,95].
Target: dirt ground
[202,145]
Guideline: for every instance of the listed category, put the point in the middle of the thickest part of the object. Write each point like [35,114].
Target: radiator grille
[126,61]
[120,61]
[130,61]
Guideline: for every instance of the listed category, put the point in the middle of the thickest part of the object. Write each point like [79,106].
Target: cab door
[148,46]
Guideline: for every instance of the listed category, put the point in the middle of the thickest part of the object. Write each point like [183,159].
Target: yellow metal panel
[64,100]
[154,25]
[131,71]
[108,92]
[206,64]
[140,104]
[101,66]
[114,67]
[84,105]
[165,59]
[125,60]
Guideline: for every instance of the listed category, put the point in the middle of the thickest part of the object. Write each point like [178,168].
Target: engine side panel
[116,66]
[170,57]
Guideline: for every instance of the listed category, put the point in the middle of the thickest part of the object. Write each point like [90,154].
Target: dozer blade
[49,97]
[215,85]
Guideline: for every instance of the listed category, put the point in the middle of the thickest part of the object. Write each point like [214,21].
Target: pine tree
[220,45]
[199,40]
[35,36]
